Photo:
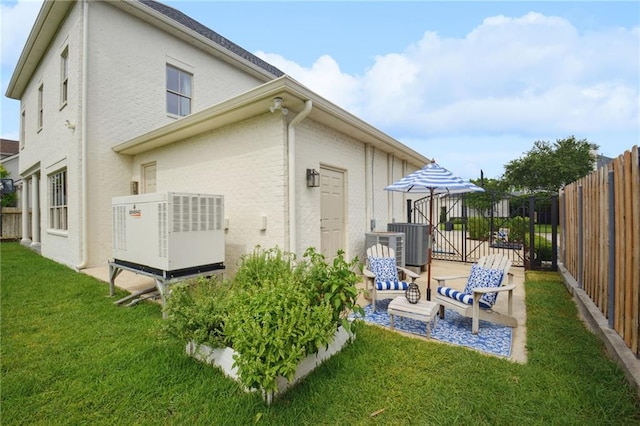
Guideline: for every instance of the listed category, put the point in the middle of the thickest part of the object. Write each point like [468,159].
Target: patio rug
[454,328]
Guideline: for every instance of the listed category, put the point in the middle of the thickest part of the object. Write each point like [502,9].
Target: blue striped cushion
[391,285]
[461,297]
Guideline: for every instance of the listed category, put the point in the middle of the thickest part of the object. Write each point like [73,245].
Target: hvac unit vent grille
[120,227]
[163,235]
[197,213]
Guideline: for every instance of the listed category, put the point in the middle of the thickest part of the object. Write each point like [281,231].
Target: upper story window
[178,91]
[64,76]
[58,200]
[40,106]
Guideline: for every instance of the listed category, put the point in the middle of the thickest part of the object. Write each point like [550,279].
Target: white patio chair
[384,279]
[487,278]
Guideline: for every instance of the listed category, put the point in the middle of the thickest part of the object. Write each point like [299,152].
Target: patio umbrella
[432,179]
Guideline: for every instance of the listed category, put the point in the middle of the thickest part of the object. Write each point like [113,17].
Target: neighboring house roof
[601,160]
[53,13]
[196,26]
[8,147]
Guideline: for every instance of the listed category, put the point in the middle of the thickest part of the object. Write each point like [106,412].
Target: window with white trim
[58,200]
[64,75]
[178,91]
[40,106]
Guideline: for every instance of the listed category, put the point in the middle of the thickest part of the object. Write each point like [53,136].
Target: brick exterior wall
[246,162]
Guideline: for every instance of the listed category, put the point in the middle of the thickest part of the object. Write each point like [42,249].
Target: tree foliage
[8,200]
[494,190]
[551,166]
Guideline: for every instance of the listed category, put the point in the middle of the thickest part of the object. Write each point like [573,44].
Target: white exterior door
[332,207]
[148,178]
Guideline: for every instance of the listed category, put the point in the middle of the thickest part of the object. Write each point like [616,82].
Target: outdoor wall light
[278,105]
[313,178]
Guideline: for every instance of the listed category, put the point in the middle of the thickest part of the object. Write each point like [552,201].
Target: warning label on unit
[135,213]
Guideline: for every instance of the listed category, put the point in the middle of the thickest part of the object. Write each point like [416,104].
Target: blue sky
[471,84]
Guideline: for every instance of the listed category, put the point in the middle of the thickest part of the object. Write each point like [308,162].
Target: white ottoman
[421,311]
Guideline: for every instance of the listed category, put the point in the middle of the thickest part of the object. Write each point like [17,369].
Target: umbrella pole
[429,243]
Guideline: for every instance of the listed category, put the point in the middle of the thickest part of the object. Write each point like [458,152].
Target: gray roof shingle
[196,26]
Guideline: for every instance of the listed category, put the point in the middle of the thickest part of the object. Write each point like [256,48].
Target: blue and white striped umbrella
[433,179]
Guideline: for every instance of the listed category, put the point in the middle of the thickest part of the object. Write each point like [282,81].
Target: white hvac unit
[393,240]
[169,233]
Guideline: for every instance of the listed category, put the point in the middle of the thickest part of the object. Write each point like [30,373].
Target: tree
[8,200]
[482,202]
[549,167]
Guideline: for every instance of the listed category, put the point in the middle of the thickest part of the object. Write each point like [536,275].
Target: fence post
[532,231]
[409,210]
[611,276]
[563,228]
[554,232]
[465,226]
[580,238]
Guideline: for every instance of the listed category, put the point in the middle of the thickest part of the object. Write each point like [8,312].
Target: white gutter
[291,137]
[83,143]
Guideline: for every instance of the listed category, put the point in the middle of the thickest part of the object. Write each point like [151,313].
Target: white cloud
[17,20]
[324,77]
[518,75]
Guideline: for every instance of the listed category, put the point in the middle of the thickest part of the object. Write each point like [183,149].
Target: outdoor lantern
[313,178]
[412,293]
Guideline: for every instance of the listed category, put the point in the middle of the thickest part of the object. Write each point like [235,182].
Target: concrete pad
[126,280]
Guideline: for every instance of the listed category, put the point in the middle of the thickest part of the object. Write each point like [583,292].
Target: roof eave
[51,15]
[175,28]
[257,101]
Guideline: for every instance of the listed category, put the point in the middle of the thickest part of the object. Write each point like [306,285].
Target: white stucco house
[132,96]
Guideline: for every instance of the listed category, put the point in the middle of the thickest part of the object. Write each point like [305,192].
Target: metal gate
[469,226]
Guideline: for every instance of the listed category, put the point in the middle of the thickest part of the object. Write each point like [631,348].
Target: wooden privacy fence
[600,240]
[11,225]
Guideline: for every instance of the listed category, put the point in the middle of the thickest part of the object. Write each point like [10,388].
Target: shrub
[518,229]
[197,310]
[266,265]
[478,228]
[542,249]
[273,328]
[274,312]
[334,284]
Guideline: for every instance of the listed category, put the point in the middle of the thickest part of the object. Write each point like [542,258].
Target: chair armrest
[409,273]
[441,280]
[367,273]
[494,289]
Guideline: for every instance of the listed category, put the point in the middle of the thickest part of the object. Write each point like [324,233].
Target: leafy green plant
[273,328]
[518,229]
[478,228]
[542,248]
[266,265]
[273,313]
[335,284]
[197,310]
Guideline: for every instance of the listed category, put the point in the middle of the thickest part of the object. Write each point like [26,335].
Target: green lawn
[70,356]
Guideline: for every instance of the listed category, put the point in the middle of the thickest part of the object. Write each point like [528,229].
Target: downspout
[83,143]
[368,186]
[291,136]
